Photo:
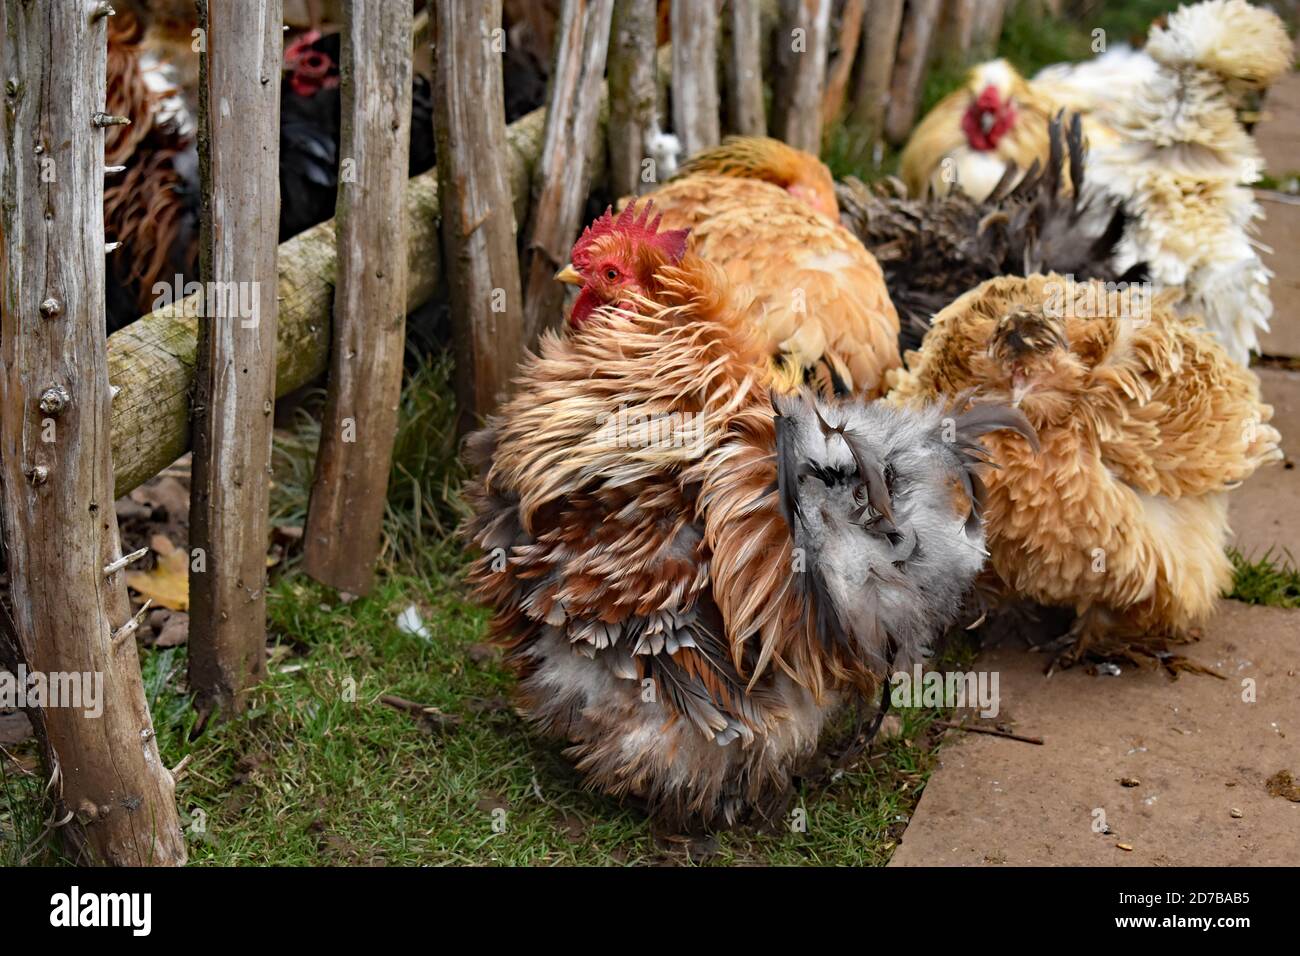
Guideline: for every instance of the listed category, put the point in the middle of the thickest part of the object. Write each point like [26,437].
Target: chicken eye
[611,274]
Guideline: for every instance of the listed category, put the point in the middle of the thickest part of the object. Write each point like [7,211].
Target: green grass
[1266,580]
[848,151]
[321,771]
[309,776]
[1287,182]
[23,834]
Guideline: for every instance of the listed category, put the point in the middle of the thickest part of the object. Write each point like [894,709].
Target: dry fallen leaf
[166,493]
[175,632]
[14,728]
[168,583]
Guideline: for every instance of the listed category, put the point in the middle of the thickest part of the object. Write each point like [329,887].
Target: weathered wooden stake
[746,115]
[956,29]
[478,218]
[632,95]
[151,361]
[563,172]
[346,515]
[837,78]
[987,27]
[113,797]
[801,49]
[695,74]
[238,129]
[909,71]
[879,46]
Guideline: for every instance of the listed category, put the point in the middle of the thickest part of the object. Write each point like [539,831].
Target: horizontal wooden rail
[151,361]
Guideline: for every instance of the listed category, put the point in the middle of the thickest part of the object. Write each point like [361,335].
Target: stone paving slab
[1278,136]
[1279,233]
[1196,756]
[1265,511]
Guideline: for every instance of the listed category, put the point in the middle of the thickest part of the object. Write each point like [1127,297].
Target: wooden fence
[203,373]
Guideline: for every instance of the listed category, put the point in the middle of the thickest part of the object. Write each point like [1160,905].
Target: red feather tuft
[640,228]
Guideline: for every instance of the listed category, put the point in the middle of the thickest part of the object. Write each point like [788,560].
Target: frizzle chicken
[1184,174]
[691,567]
[151,206]
[311,130]
[1145,424]
[767,214]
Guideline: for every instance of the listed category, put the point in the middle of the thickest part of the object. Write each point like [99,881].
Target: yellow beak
[569,275]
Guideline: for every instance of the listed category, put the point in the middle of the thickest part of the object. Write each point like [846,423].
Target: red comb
[638,228]
[989,99]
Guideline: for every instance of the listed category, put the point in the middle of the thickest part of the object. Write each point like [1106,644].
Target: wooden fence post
[801,50]
[238,128]
[956,30]
[478,218]
[909,71]
[695,74]
[745,112]
[879,47]
[562,179]
[837,77]
[72,618]
[632,94]
[346,516]
[151,361]
[986,29]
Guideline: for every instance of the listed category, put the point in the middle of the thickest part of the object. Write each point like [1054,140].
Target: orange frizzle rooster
[1145,423]
[689,570]
[767,214]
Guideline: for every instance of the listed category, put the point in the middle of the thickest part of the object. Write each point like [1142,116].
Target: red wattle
[586,303]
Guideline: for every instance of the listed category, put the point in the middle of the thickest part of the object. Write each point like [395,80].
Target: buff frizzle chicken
[1144,422]
[692,563]
[767,213]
